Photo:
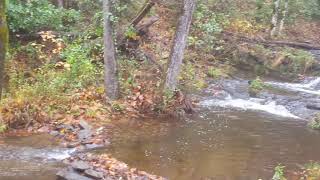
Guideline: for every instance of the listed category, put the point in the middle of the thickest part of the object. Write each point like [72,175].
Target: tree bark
[3,42]
[275,17]
[284,16]
[110,63]
[179,44]
[60,3]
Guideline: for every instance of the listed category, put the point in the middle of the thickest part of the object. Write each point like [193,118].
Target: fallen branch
[143,12]
[294,44]
[141,29]
[144,27]
[300,45]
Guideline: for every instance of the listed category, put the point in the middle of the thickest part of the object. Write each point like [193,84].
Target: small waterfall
[28,153]
[272,106]
[308,87]
[250,104]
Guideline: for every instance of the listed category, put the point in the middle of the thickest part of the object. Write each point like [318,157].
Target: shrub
[257,84]
[36,15]
[3,127]
[279,173]
[299,60]
[313,170]
[315,122]
[207,26]
[51,80]
[215,73]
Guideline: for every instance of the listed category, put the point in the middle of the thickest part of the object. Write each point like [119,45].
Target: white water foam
[250,104]
[59,154]
[30,153]
[303,87]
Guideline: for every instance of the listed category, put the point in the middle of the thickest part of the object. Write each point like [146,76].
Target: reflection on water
[217,145]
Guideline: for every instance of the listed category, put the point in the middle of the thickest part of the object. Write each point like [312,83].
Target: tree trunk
[274,20]
[3,41]
[179,44]
[284,16]
[60,3]
[110,63]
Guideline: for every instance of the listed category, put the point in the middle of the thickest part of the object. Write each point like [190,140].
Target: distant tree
[280,14]
[275,18]
[3,41]
[179,44]
[284,16]
[110,62]
[60,3]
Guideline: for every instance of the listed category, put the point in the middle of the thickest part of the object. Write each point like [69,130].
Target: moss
[215,73]
[315,122]
[256,84]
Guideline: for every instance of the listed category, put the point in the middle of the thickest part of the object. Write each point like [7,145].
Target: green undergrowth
[192,77]
[76,70]
[257,85]
[279,173]
[216,73]
[310,171]
[298,61]
[39,15]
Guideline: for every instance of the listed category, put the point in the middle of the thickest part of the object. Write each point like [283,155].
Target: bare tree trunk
[179,44]
[275,17]
[110,63]
[60,3]
[284,16]
[3,42]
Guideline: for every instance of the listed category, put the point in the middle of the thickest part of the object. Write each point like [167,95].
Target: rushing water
[233,136]
[30,158]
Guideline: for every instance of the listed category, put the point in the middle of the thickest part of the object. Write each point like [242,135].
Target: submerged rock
[54,133]
[315,106]
[80,165]
[84,134]
[93,146]
[70,174]
[94,174]
[84,125]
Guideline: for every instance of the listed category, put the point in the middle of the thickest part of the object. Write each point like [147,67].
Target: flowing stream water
[35,157]
[233,136]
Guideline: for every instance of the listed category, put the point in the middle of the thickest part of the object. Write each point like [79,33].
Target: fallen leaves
[110,167]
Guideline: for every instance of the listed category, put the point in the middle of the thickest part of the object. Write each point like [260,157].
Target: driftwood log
[139,26]
[143,12]
[301,45]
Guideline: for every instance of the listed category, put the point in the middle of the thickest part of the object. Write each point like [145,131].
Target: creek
[232,136]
